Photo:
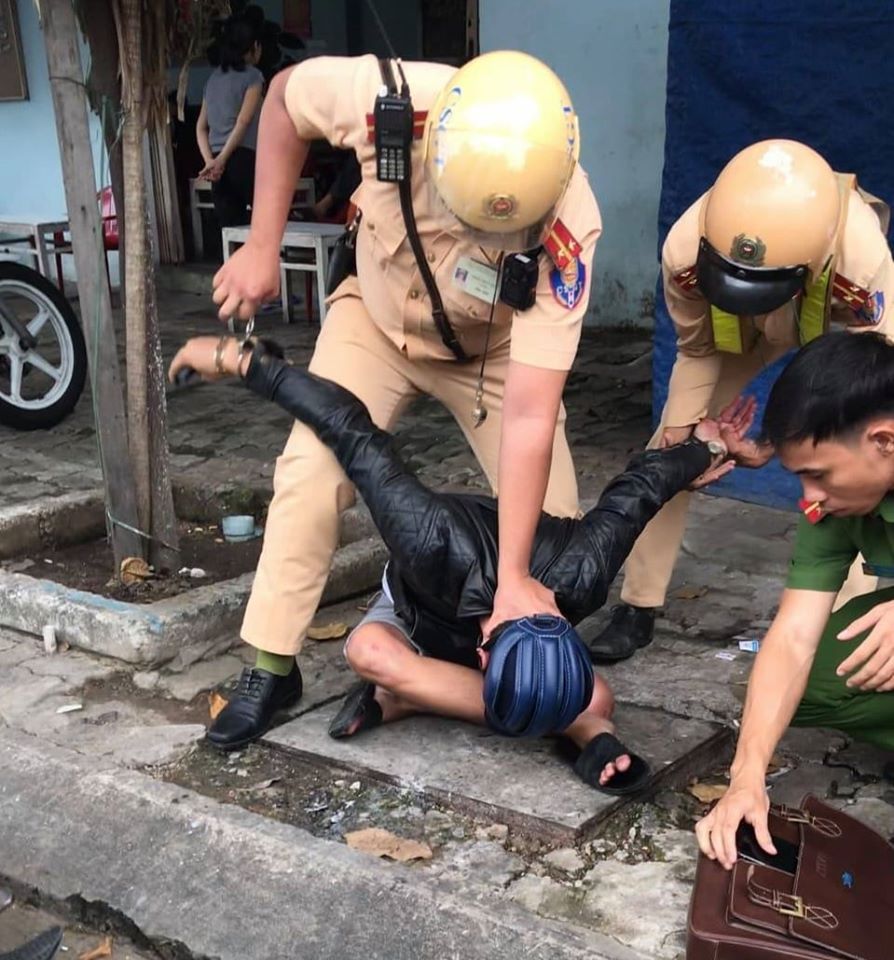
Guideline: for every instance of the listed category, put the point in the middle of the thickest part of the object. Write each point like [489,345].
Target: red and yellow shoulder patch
[561,245]
[868,307]
[686,279]
[849,293]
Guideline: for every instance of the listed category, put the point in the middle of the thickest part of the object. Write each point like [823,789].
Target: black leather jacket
[443,569]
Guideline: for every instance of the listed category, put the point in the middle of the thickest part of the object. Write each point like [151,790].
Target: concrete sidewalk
[218,881]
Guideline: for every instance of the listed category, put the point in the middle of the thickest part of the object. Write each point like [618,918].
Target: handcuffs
[245,343]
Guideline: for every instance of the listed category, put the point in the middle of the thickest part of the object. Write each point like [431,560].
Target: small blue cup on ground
[238,528]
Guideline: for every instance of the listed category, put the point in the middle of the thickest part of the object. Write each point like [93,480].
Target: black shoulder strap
[439,314]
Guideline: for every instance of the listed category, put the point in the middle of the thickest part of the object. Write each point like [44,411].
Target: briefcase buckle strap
[789,904]
[828,828]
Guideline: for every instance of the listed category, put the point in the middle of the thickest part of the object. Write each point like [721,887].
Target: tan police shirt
[333,98]
[863,299]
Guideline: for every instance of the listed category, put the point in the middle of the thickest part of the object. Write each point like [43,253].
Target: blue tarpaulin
[821,72]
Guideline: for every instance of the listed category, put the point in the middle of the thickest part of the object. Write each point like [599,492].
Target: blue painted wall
[612,56]
[30,167]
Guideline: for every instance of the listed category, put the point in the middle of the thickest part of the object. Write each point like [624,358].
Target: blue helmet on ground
[539,677]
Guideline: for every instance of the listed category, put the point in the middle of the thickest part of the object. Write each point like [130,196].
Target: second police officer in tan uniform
[761,263]
[493,171]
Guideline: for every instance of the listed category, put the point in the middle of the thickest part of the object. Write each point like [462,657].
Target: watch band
[715,447]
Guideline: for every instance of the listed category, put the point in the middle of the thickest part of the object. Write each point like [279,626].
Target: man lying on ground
[534,676]
[830,417]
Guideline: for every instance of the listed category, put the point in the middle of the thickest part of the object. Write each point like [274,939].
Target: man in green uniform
[830,417]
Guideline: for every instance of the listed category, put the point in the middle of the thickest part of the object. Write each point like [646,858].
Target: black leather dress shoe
[630,629]
[249,713]
[42,947]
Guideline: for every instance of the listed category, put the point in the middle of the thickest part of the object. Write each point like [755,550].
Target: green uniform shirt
[824,551]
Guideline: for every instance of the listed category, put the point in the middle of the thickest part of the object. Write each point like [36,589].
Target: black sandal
[359,712]
[602,750]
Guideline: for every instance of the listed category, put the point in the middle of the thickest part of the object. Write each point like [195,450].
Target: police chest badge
[569,283]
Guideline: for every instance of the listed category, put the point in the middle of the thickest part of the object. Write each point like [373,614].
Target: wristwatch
[717,448]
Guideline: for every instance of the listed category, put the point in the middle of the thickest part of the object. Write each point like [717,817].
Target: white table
[23,234]
[200,199]
[317,239]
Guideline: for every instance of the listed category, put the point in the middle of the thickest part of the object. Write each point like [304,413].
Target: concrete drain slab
[523,783]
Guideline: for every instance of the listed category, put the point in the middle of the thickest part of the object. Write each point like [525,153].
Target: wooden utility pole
[146,405]
[70,104]
[135,280]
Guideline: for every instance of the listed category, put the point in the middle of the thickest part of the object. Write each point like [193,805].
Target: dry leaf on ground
[329,631]
[708,792]
[382,843]
[134,570]
[264,784]
[103,950]
[216,703]
[689,593]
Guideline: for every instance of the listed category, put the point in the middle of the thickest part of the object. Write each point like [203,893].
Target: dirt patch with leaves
[205,555]
[328,801]
[400,822]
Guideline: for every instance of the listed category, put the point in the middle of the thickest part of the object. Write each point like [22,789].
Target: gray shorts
[381,610]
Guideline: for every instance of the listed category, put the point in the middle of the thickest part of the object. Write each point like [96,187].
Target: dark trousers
[232,194]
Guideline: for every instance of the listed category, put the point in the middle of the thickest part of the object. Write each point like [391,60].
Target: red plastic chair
[109,235]
[109,225]
[109,218]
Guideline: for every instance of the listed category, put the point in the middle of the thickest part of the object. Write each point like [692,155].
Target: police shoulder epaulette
[419,117]
[686,279]
[856,297]
[561,245]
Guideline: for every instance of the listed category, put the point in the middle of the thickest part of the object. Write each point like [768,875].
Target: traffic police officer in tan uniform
[493,173]
[761,263]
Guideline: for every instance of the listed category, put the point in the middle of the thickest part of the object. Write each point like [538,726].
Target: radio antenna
[405,89]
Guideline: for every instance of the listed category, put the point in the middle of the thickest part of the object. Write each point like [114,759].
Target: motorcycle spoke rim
[43,315]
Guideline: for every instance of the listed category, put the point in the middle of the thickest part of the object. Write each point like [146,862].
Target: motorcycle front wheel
[40,383]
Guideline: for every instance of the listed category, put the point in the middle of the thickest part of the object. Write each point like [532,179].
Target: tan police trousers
[650,565]
[310,489]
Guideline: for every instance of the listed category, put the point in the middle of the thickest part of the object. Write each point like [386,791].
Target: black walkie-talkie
[394,134]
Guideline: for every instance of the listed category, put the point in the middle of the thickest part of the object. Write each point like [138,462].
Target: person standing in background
[227,128]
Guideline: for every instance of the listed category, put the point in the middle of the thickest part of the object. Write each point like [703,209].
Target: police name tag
[478,280]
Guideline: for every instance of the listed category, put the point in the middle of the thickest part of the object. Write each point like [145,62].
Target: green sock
[276,663]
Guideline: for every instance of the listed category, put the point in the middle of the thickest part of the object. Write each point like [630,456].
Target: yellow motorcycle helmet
[501,142]
[768,227]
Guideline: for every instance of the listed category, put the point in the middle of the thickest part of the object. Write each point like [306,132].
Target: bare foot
[619,765]
[393,707]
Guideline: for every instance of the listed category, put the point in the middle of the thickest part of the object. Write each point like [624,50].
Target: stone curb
[71,518]
[208,879]
[153,633]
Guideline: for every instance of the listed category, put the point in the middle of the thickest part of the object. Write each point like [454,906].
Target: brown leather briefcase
[838,903]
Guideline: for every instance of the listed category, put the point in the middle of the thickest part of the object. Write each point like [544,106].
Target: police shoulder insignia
[561,245]
[875,308]
[868,308]
[686,279]
[568,284]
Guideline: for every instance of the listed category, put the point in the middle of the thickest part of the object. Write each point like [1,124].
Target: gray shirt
[224,93]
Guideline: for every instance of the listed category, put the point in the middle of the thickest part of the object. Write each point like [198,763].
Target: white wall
[612,56]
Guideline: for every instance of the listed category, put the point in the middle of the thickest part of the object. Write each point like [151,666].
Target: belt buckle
[795,909]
